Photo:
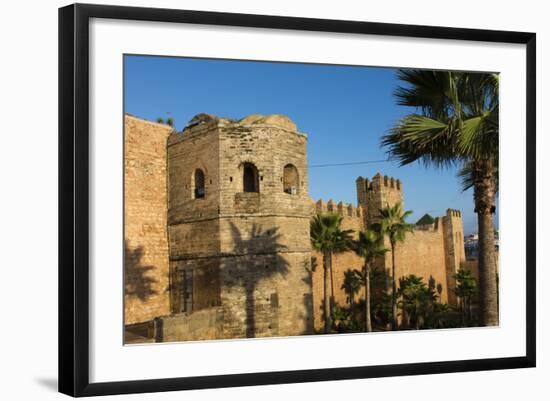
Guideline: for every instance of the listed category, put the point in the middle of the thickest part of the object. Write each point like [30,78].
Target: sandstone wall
[250,249]
[353,219]
[201,325]
[195,149]
[145,209]
[433,252]
[378,193]
[423,254]
[247,255]
[266,295]
[454,248]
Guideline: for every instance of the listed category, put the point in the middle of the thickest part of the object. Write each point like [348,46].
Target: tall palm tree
[456,123]
[466,289]
[369,246]
[328,238]
[393,224]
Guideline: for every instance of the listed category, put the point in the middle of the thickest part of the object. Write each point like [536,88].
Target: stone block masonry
[246,220]
[352,219]
[217,222]
[146,263]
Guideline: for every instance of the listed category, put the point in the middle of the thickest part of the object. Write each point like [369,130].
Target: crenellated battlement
[454,213]
[380,182]
[347,210]
[376,193]
[226,202]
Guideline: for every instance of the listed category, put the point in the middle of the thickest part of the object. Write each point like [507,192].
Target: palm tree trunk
[368,323]
[327,282]
[484,197]
[393,290]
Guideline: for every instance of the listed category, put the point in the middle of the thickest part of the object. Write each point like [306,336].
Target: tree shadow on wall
[137,281]
[309,266]
[258,259]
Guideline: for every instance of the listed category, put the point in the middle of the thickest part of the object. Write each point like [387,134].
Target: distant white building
[471,245]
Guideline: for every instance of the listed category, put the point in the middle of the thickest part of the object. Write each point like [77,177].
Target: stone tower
[380,192]
[238,224]
[453,233]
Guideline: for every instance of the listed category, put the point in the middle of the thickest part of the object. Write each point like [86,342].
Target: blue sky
[343,110]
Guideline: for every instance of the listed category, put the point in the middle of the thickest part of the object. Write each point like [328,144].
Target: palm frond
[458,119]
[327,235]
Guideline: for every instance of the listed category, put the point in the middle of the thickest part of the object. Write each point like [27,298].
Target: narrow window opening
[290,179]
[199,184]
[250,178]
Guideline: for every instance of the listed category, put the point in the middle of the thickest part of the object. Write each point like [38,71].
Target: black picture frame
[74,198]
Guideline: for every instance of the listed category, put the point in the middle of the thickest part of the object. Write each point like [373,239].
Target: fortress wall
[200,237]
[378,193]
[340,264]
[266,295]
[194,149]
[249,252]
[269,148]
[454,248]
[353,219]
[145,199]
[423,254]
[197,326]
[205,279]
[264,276]
[264,234]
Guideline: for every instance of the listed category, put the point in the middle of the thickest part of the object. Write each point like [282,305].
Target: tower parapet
[453,235]
[453,213]
[380,192]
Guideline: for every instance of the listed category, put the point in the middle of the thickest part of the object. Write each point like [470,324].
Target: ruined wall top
[203,123]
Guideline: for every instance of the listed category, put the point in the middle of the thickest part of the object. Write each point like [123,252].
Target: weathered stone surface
[145,236]
[259,241]
[243,260]
[200,325]
[274,119]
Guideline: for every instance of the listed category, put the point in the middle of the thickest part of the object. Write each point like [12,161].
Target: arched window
[250,178]
[291,179]
[199,184]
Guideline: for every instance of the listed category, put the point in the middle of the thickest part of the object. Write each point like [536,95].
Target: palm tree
[466,289]
[417,300]
[394,225]
[328,238]
[369,246]
[456,124]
